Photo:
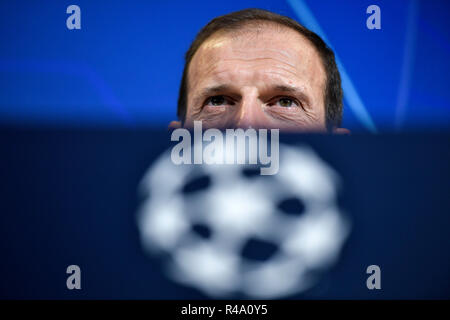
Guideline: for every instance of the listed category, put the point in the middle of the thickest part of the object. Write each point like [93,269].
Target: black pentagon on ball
[291,206]
[251,171]
[196,184]
[259,250]
[202,230]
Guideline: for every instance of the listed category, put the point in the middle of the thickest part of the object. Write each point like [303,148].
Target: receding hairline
[250,26]
[254,26]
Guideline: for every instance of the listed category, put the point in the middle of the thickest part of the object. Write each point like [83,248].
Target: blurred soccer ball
[228,230]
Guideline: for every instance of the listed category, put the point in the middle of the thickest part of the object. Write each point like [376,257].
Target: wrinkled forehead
[269,43]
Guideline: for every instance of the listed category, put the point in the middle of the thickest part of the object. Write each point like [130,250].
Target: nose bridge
[250,109]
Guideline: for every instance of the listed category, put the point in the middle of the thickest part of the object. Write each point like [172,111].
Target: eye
[217,101]
[286,102]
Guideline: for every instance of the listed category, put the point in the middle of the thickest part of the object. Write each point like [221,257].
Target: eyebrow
[225,87]
[285,88]
[215,89]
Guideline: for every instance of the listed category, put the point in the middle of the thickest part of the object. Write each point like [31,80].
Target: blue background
[124,66]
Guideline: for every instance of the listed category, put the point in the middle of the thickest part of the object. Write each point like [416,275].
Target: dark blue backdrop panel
[71,197]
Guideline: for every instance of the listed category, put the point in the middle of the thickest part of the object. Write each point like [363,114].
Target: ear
[341,131]
[174,125]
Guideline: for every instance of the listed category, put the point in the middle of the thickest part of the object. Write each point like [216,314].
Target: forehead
[266,50]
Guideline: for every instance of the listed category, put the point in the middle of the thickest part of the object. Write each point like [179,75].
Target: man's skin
[262,76]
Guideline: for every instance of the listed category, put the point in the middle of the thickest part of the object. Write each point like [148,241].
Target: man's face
[267,78]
